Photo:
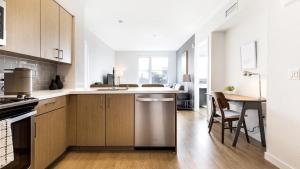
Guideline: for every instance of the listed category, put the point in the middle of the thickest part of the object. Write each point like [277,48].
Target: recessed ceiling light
[155,35]
[120,21]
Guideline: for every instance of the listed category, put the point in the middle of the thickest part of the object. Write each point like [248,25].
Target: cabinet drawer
[51,104]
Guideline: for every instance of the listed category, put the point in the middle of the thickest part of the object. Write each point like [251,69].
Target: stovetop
[11,102]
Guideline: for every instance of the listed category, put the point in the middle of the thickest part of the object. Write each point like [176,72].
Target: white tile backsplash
[43,72]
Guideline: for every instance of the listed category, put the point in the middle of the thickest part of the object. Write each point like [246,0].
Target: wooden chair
[128,85]
[153,85]
[224,115]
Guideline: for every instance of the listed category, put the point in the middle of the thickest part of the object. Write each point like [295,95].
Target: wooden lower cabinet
[50,139]
[90,120]
[120,120]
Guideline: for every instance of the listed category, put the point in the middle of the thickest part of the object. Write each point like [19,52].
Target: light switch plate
[294,74]
[286,3]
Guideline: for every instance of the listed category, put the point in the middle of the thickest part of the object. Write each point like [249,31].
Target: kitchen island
[93,119]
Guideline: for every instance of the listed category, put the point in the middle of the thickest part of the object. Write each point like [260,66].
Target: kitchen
[64,120]
[91,84]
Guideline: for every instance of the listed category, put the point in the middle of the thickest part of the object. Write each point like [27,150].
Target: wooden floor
[196,150]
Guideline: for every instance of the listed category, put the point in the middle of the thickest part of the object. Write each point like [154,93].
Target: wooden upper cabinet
[49,30]
[90,120]
[120,120]
[65,36]
[23,26]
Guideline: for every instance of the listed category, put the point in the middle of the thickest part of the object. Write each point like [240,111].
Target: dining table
[247,103]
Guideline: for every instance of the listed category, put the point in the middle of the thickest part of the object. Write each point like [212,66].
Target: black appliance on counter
[20,113]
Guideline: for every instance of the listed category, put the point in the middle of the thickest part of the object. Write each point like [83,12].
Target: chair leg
[211,122]
[246,131]
[230,125]
[223,128]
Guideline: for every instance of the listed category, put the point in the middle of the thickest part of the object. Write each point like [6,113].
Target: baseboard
[276,161]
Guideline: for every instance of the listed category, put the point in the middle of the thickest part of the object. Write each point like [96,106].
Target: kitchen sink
[113,89]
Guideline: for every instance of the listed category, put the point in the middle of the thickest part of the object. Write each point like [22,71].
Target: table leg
[261,125]
[239,125]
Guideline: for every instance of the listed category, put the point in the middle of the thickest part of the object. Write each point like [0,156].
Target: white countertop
[47,94]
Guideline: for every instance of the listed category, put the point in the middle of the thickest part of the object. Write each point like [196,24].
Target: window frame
[150,68]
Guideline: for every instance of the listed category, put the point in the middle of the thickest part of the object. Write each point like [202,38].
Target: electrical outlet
[294,74]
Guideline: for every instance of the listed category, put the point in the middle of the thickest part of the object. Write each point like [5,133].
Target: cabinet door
[91,120]
[50,140]
[120,120]
[49,29]
[23,27]
[66,33]
[58,137]
[42,141]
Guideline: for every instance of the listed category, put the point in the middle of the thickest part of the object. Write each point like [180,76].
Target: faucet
[113,85]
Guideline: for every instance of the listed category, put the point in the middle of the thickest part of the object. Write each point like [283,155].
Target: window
[153,70]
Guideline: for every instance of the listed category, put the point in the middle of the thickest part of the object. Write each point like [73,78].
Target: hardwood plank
[196,150]
[90,120]
[120,120]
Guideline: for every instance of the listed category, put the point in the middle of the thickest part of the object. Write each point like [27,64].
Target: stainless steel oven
[20,115]
[23,132]
[2,23]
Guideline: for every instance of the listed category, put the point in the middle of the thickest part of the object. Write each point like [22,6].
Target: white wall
[283,120]
[283,39]
[101,58]
[74,75]
[236,36]
[216,61]
[227,35]
[91,57]
[128,61]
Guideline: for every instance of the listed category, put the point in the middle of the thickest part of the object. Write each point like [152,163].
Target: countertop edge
[48,94]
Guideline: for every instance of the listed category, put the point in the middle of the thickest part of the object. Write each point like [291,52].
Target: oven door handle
[22,117]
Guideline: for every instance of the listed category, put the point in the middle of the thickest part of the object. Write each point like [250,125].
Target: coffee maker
[18,82]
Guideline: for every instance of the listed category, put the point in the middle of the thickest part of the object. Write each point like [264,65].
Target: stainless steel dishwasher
[155,121]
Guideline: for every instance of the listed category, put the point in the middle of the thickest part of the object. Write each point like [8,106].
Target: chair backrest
[129,85]
[221,102]
[153,85]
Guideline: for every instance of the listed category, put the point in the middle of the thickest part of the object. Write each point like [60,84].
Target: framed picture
[249,56]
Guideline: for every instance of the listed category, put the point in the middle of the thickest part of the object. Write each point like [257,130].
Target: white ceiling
[148,24]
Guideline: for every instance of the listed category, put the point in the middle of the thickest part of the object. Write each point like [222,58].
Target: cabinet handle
[34,129]
[57,57]
[62,54]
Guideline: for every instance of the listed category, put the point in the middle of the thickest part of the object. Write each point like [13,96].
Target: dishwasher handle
[140,99]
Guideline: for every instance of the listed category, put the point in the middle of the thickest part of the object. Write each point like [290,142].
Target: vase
[53,85]
[59,83]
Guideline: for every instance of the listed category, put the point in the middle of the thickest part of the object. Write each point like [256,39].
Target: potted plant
[229,89]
